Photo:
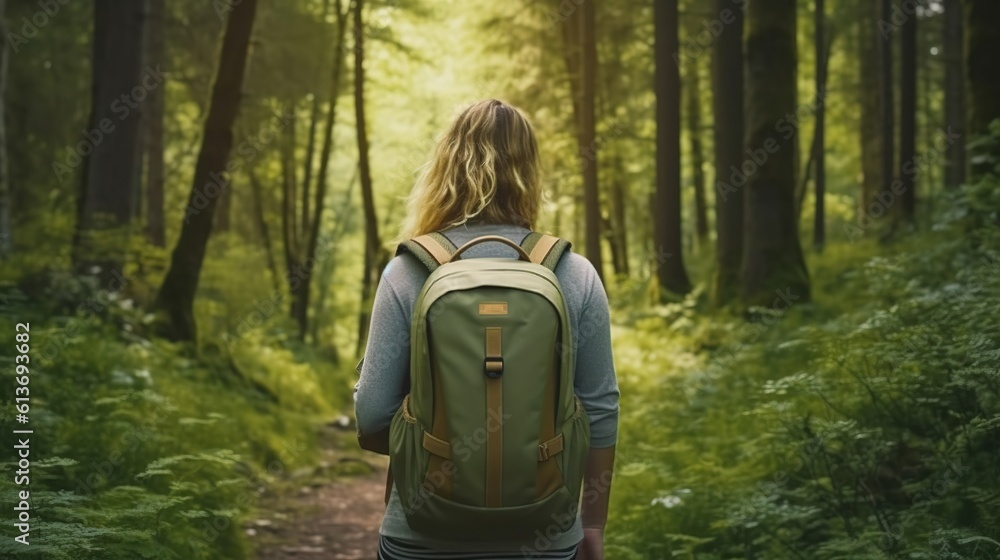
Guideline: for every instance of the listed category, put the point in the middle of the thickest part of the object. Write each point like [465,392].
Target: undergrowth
[865,424]
[146,449]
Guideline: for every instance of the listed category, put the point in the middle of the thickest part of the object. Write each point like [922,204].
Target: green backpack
[491,441]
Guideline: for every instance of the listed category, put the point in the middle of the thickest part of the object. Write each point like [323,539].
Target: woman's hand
[592,546]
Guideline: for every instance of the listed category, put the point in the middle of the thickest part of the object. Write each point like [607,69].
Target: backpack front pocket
[407,456]
[576,441]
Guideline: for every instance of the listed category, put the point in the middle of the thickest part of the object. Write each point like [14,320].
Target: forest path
[331,512]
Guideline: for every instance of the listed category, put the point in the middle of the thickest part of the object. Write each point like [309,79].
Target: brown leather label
[499,308]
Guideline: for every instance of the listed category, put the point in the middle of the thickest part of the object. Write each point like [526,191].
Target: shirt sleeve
[385,369]
[596,383]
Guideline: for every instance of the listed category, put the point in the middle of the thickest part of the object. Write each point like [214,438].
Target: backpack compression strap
[545,249]
[432,249]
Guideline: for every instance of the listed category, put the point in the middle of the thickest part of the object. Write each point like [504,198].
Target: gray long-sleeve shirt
[385,371]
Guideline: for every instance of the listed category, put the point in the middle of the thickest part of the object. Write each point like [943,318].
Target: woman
[484,180]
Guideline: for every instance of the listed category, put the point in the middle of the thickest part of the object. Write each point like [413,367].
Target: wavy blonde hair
[486,167]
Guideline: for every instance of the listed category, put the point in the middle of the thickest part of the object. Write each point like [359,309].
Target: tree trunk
[156,57]
[816,149]
[223,214]
[588,133]
[290,175]
[773,267]
[727,109]
[982,45]
[257,201]
[580,54]
[307,167]
[667,242]
[176,297]
[5,198]
[329,267]
[301,296]
[373,247]
[619,227]
[887,110]
[908,123]
[871,109]
[819,143]
[693,88]
[109,175]
[289,234]
[954,93]
[572,54]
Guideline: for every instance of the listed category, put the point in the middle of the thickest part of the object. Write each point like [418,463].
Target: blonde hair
[485,167]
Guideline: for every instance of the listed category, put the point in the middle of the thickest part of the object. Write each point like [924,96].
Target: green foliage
[864,426]
[142,450]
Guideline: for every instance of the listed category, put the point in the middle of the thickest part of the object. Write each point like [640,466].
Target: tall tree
[819,141]
[692,86]
[156,56]
[585,16]
[667,242]
[886,103]
[374,258]
[954,92]
[727,110]
[588,133]
[871,106]
[313,126]
[176,296]
[908,121]
[773,265]
[257,204]
[290,238]
[982,45]
[109,174]
[580,55]
[5,203]
[614,95]
[223,212]
[312,221]
[818,138]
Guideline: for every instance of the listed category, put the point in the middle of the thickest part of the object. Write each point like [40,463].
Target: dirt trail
[333,514]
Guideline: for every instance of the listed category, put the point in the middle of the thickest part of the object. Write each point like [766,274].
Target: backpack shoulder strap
[545,249]
[432,249]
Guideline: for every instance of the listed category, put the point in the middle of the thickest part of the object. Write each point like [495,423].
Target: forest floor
[329,512]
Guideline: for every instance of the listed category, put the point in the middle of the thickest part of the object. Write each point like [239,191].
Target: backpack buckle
[543,452]
[494,367]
